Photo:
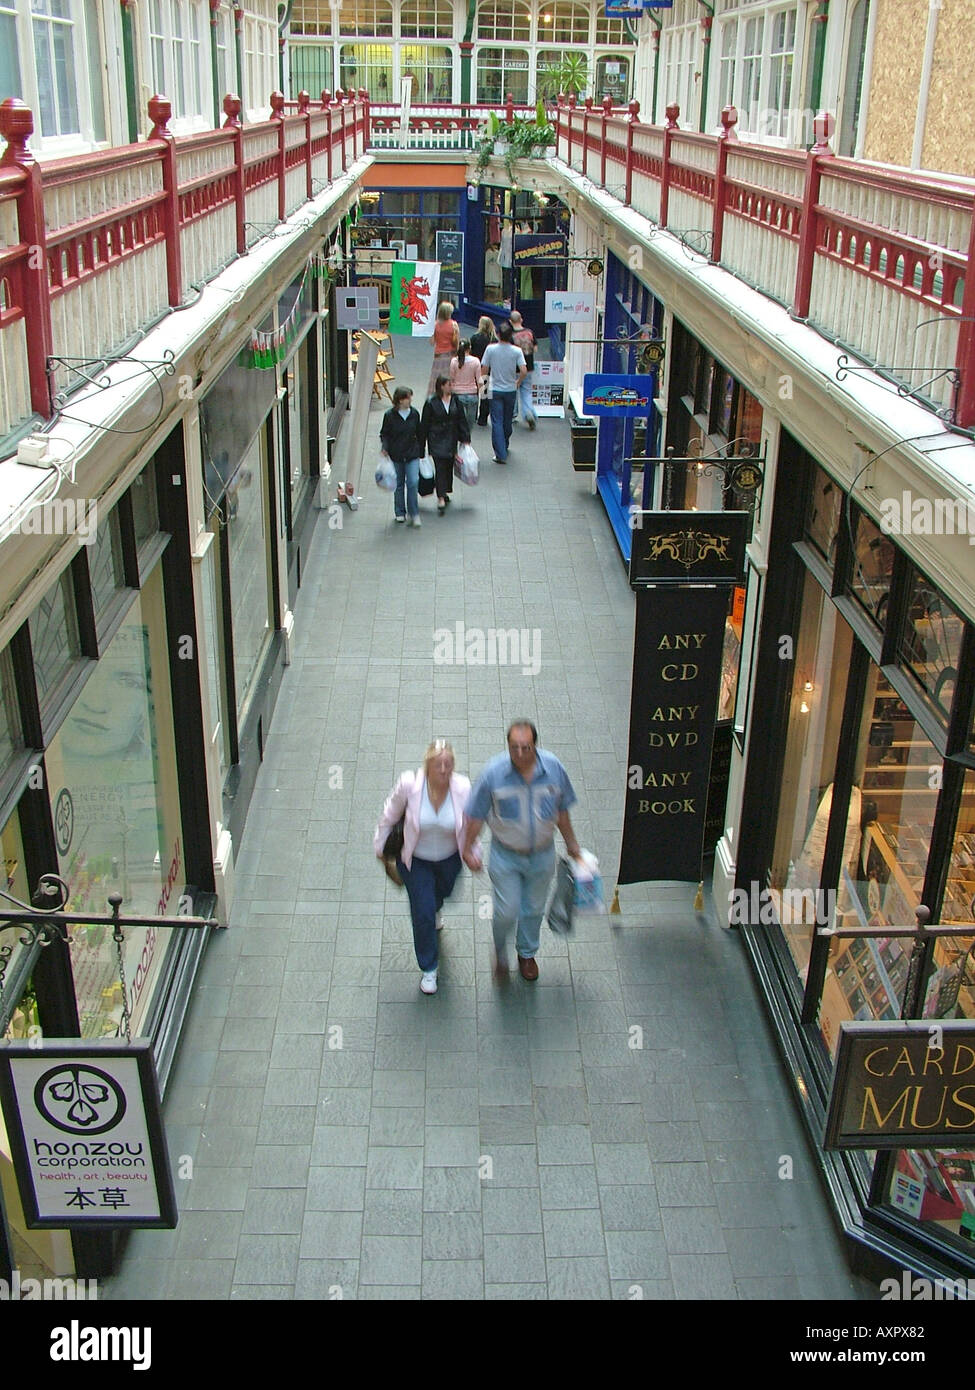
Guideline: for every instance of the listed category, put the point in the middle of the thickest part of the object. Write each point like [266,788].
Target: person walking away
[479,342]
[465,380]
[446,341]
[506,365]
[525,339]
[443,428]
[399,436]
[431,802]
[523,796]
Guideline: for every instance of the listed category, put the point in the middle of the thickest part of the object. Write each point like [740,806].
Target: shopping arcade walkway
[614,1171]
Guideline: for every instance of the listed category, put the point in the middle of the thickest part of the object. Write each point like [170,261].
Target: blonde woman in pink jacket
[433,799]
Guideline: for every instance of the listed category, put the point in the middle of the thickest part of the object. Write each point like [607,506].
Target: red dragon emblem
[414,295]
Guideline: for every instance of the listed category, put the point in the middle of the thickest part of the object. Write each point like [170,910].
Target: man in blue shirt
[522,795]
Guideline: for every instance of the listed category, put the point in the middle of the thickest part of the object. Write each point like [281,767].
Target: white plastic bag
[588,884]
[427,469]
[465,465]
[386,473]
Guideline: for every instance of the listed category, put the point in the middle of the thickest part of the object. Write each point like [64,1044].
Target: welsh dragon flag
[414,298]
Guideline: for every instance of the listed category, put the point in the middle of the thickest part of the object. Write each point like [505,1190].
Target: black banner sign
[673,705]
[540,248]
[900,1084]
[688,547]
[450,254]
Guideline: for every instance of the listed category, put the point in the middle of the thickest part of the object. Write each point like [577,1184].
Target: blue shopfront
[629,441]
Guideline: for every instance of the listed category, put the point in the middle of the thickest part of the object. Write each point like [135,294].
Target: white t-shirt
[505,361]
[438,837]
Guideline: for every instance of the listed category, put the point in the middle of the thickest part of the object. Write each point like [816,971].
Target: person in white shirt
[431,804]
[506,365]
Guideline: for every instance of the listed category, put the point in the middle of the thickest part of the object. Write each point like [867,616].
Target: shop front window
[613,79]
[873,567]
[931,642]
[822,660]
[951,990]
[891,813]
[11,737]
[311,68]
[431,69]
[500,71]
[824,515]
[937,1186]
[368,65]
[55,644]
[115,801]
[249,568]
[105,567]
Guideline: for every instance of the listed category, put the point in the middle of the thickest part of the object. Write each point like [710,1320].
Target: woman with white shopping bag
[443,428]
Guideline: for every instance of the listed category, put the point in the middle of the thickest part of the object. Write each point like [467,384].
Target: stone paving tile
[485,1143]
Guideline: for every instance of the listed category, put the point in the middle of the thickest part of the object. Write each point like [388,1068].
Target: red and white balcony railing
[96,248]
[874,257]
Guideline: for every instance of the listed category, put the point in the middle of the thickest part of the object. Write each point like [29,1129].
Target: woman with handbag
[480,341]
[399,437]
[429,804]
[443,428]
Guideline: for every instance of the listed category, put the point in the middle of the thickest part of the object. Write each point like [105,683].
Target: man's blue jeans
[521,883]
[523,401]
[407,477]
[502,414]
[428,882]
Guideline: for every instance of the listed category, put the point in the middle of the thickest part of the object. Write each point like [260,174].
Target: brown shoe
[528,968]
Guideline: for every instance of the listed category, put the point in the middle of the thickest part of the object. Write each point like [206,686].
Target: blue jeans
[407,476]
[502,414]
[555,349]
[428,882]
[521,883]
[523,400]
[470,405]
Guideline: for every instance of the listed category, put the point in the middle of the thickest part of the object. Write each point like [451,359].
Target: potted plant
[518,139]
[568,75]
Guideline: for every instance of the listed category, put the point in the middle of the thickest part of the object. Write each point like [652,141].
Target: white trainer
[439,921]
[415,521]
[428,982]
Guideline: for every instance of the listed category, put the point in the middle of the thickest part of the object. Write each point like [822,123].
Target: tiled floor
[615,1130]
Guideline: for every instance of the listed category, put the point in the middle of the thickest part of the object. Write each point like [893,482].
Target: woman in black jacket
[443,428]
[480,340]
[400,437]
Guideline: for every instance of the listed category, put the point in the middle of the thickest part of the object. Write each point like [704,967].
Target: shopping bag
[559,913]
[386,474]
[427,469]
[465,465]
[587,884]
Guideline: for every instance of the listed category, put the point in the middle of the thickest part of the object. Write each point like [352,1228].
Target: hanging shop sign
[688,547]
[540,248]
[673,703]
[652,354]
[897,1084]
[86,1133]
[450,254]
[414,296]
[564,306]
[616,395]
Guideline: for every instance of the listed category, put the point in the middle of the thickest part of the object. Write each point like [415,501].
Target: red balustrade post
[727,136]
[365,119]
[633,122]
[586,110]
[16,127]
[277,114]
[326,105]
[160,111]
[509,110]
[607,112]
[823,126]
[965,350]
[232,107]
[304,109]
[673,111]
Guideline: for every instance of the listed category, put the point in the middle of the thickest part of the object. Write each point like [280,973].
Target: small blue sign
[617,395]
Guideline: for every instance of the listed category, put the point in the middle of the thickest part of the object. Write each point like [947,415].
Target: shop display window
[891,814]
[250,581]
[930,643]
[937,1187]
[115,801]
[55,643]
[873,567]
[825,515]
[105,567]
[11,736]
[950,991]
[822,661]
[145,506]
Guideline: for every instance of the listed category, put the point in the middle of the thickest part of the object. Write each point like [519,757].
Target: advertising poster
[450,254]
[570,306]
[548,388]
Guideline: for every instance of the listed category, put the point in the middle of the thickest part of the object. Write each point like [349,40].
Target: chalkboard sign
[450,254]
